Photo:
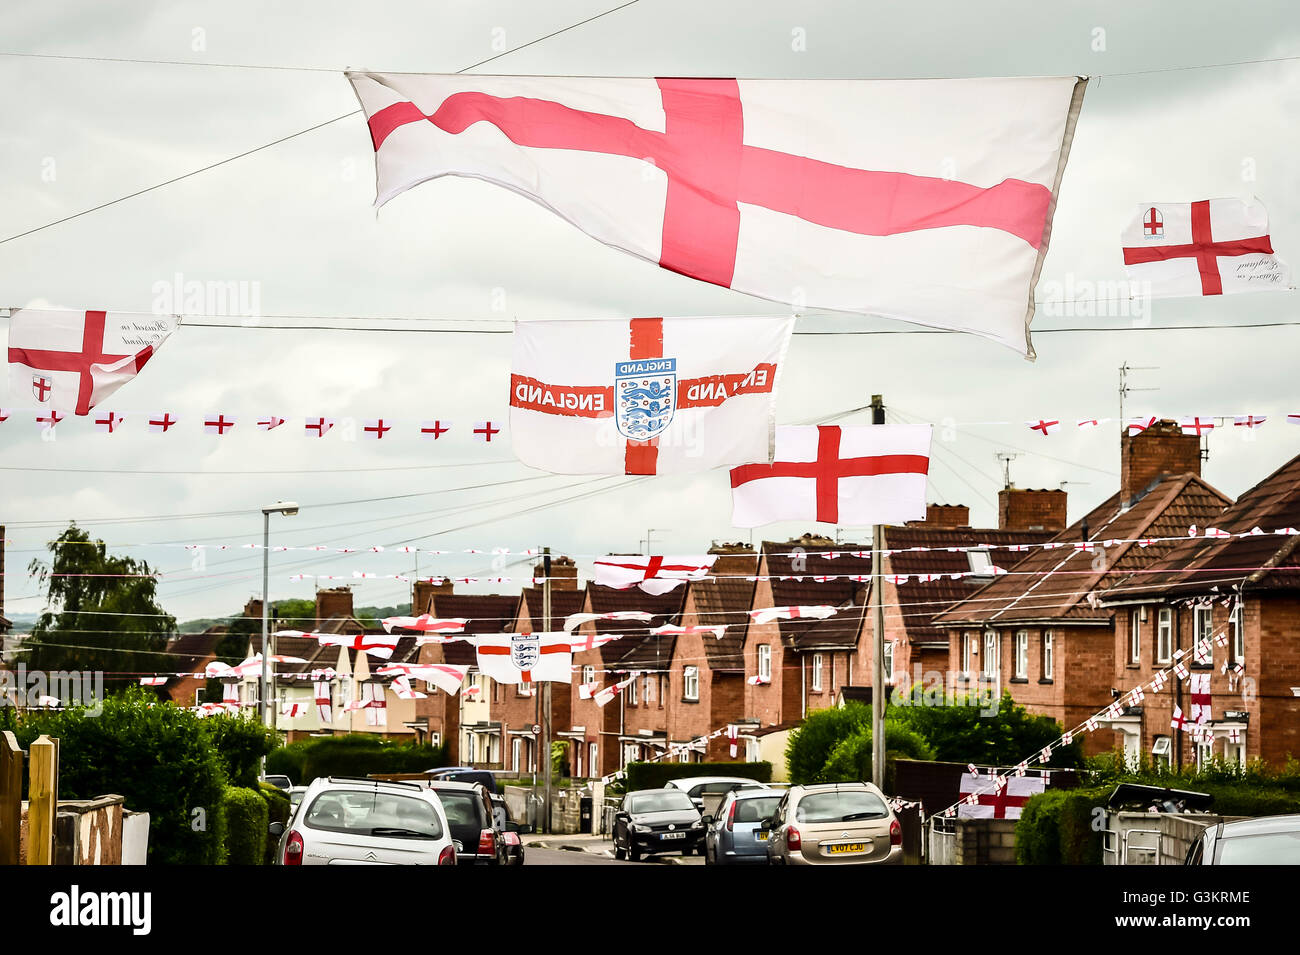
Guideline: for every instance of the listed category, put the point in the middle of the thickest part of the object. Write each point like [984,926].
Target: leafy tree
[101,611]
[810,745]
[850,760]
[973,734]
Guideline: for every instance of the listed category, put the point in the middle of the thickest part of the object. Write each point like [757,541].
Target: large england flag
[929,201]
[75,360]
[851,476]
[1210,247]
[645,395]
[991,801]
[525,657]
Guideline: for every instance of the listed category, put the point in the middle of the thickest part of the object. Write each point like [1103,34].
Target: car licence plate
[761,835]
[844,848]
[672,835]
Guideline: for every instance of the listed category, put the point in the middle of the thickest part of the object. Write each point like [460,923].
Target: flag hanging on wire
[929,201]
[74,360]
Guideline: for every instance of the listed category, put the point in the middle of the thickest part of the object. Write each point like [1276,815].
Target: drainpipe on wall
[803,687]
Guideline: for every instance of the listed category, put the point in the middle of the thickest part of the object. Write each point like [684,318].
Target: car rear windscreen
[665,801]
[374,814]
[840,806]
[756,810]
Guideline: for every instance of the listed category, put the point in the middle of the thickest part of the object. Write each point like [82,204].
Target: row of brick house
[1062,617]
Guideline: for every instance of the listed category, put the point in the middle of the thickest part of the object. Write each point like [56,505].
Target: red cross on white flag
[77,359]
[1197,426]
[1135,425]
[1210,247]
[218,424]
[162,423]
[1249,421]
[1044,427]
[106,422]
[376,428]
[269,422]
[574,620]
[825,192]
[317,427]
[1179,721]
[653,574]
[433,430]
[1004,797]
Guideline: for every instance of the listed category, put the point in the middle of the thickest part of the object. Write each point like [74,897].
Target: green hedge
[277,806]
[656,775]
[240,742]
[246,826]
[156,755]
[1062,827]
[353,755]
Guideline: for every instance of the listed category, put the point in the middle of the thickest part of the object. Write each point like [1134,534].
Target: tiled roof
[1265,561]
[1062,585]
[637,649]
[563,603]
[923,601]
[724,600]
[801,588]
[487,613]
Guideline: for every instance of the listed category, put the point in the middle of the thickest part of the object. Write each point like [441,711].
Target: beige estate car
[834,824]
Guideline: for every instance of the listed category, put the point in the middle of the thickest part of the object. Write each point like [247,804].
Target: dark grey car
[736,835]
[657,820]
[1268,840]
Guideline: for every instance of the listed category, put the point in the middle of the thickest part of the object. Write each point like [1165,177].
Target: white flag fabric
[575,620]
[992,802]
[605,695]
[375,644]
[768,614]
[850,476]
[525,657]
[929,201]
[425,623]
[1210,247]
[74,360]
[324,703]
[653,574]
[645,395]
[445,676]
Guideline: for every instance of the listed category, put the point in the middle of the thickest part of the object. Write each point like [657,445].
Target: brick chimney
[734,560]
[564,573]
[253,608]
[946,515]
[426,590]
[1031,509]
[1160,450]
[333,602]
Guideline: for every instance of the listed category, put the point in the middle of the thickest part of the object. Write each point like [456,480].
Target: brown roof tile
[801,588]
[486,613]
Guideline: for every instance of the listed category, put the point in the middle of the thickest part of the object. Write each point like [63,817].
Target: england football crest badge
[1153,224]
[41,387]
[645,396]
[525,650]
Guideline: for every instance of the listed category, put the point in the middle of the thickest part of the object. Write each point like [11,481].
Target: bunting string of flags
[997,783]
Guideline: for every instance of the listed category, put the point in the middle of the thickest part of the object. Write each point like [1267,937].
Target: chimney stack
[1159,451]
[734,560]
[945,515]
[426,590]
[564,573]
[333,602]
[1031,509]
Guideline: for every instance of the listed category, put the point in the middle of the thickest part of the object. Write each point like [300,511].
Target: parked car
[468,807]
[510,830]
[1268,840]
[279,782]
[466,774]
[736,835]
[295,794]
[657,820]
[697,787]
[345,821]
[834,824]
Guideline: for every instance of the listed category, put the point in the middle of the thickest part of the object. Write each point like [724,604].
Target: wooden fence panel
[42,800]
[11,797]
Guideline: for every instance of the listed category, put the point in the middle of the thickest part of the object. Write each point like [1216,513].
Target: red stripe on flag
[646,340]
[1203,248]
[572,401]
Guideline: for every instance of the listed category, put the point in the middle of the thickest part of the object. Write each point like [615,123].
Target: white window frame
[817,672]
[1164,635]
[649,693]
[1049,655]
[516,753]
[1237,630]
[1235,752]
[589,674]
[1021,655]
[889,661]
[1135,636]
[521,689]
[765,661]
[593,761]
[969,653]
[1204,754]
[1162,750]
[631,693]
[1203,629]
[990,660]
[691,683]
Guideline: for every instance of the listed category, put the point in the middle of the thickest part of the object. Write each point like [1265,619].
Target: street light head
[287,508]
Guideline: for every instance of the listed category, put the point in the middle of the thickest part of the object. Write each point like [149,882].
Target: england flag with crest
[525,657]
[645,395]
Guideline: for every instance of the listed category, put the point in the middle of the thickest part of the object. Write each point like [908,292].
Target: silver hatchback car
[343,821]
[834,824]
[736,835]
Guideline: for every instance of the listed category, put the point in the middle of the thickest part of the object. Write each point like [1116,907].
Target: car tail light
[293,849]
[447,856]
[512,838]
[731,817]
[895,833]
[487,845]
[792,839]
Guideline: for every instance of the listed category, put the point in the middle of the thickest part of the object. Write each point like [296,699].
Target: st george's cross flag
[983,798]
[525,657]
[1210,247]
[653,573]
[74,360]
[929,201]
[645,395]
[851,476]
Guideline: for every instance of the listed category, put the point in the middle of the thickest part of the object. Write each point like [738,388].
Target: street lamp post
[288,509]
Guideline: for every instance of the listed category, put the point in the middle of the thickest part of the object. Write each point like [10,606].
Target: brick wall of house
[1024,509]
[726,705]
[688,719]
[765,702]
[1275,638]
[600,723]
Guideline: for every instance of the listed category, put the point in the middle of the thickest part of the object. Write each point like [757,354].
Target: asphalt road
[537,856]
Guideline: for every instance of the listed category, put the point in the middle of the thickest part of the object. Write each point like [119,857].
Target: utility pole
[878,689]
[545,754]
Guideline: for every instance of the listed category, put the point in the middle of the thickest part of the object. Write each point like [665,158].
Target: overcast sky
[295,224]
